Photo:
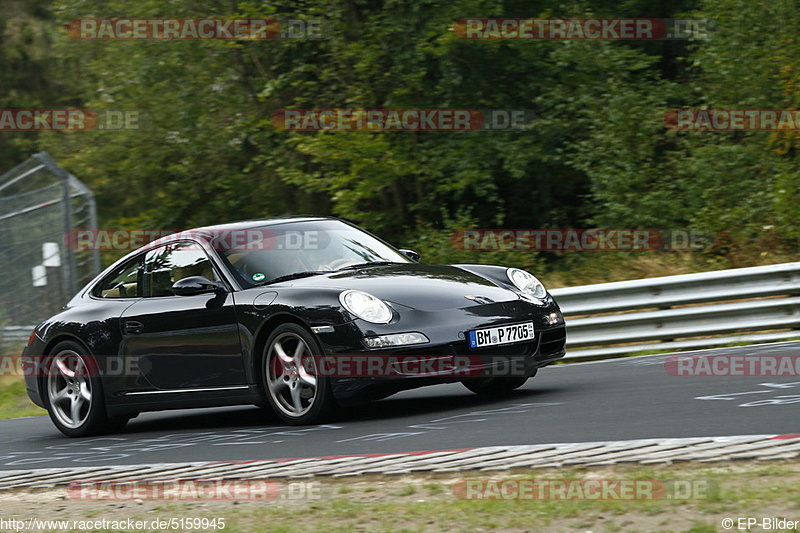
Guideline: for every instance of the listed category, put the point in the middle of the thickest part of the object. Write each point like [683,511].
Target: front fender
[259,310]
[497,275]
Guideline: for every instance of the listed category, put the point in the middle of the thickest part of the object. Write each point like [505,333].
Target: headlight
[366,307]
[526,283]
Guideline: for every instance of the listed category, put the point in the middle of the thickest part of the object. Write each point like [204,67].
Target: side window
[168,264]
[125,282]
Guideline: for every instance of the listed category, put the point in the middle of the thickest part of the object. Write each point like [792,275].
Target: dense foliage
[597,154]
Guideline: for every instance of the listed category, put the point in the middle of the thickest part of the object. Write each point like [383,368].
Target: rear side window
[124,282]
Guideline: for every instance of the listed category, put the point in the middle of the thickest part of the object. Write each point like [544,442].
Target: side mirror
[411,254]
[196,285]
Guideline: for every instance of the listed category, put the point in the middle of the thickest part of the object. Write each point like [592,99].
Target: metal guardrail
[14,334]
[756,304]
[665,313]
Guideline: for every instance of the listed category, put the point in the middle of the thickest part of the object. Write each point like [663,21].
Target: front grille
[553,341]
[504,350]
[461,348]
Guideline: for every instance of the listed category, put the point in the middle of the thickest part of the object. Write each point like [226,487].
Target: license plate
[478,338]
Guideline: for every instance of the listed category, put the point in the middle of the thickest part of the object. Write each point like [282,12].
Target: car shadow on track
[387,409]
[432,404]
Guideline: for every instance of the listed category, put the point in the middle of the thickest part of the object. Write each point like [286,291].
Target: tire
[494,386]
[73,393]
[289,379]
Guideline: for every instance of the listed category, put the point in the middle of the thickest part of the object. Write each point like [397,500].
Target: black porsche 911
[301,315]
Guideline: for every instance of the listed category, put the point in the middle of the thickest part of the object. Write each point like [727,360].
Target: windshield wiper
[295,275]
[367,264]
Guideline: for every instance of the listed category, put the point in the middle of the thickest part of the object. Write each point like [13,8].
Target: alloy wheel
[69,388]
[291,374]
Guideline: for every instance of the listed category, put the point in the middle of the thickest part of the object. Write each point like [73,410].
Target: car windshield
[300,249]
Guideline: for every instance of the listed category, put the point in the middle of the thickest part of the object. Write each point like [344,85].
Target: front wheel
[294,388]
[494,386]
[73,394]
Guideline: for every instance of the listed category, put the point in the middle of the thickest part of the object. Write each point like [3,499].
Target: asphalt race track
[610,400]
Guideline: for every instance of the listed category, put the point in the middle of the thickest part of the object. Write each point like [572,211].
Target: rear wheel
[494,386]
[73,394]
[294,388]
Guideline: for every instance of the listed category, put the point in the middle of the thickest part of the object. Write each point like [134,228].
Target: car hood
[419,286]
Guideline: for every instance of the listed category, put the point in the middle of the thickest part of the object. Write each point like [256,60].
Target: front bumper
[448,352]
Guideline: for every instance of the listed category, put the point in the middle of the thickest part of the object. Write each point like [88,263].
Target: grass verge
[426,503]
[14,401]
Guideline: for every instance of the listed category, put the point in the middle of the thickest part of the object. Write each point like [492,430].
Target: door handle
[132,327]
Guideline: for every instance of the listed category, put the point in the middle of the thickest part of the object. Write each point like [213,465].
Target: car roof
[258,223]
[210,231]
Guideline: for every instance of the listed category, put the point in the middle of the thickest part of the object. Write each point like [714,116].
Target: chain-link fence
[41,204]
